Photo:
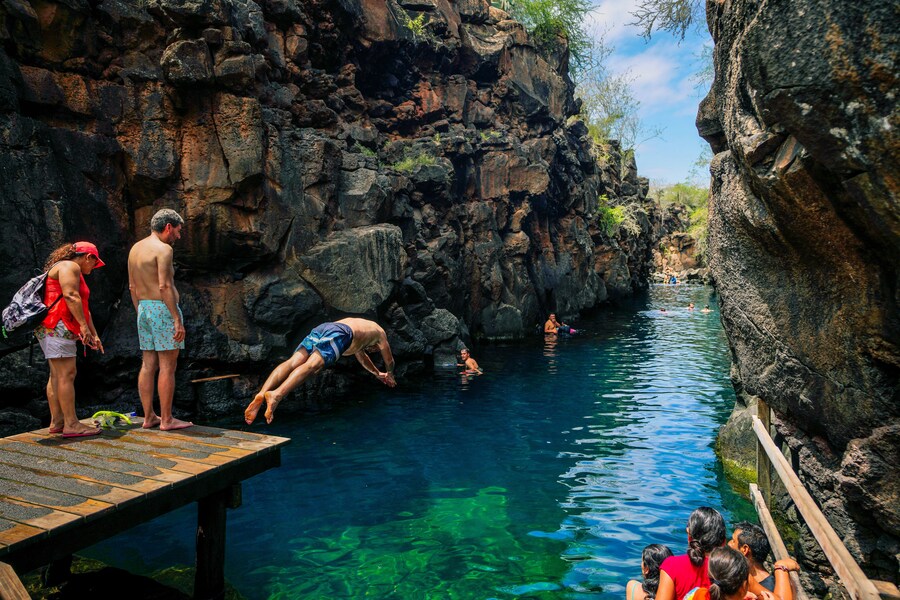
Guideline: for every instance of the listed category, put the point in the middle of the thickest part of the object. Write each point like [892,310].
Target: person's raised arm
[166,275]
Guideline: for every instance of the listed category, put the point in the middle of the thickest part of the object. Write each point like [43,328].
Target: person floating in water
[468,362]
[322,348]
[691,306]
[663,309]
[706,309]
[554,327]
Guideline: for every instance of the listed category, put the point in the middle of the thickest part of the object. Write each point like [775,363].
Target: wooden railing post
[763,465]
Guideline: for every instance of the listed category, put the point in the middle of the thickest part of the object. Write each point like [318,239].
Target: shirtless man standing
[151,279]
[321,348]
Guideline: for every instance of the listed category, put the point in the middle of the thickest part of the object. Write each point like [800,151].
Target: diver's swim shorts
[329,339]
[156,329]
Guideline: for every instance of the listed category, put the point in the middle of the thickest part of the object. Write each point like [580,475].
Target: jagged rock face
[804,240]
[413,162]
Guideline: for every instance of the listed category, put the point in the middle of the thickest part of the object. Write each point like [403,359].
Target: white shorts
[58,342]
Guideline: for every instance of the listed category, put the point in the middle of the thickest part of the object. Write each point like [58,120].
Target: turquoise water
[542,478]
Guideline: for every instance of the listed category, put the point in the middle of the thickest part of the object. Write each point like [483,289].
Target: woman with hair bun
[651,559]
[681,574]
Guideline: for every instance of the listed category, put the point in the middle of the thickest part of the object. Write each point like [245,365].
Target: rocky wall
[416,162]
[804,238]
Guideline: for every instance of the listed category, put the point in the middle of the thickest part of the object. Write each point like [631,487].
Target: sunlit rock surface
[805,243]
[415,162]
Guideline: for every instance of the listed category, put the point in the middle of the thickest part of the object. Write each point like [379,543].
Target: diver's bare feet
[251,410]
[272,400]
[151,422]
[174,424]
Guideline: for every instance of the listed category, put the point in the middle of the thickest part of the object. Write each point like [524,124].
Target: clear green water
[543,478]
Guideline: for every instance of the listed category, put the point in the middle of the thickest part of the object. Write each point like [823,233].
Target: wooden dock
[58,496]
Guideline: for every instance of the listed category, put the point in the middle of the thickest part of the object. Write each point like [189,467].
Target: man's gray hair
[163,217]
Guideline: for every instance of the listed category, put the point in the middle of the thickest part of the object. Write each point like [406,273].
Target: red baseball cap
[89,248]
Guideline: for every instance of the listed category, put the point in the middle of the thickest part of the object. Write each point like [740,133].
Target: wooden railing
[768,456]
[11,587]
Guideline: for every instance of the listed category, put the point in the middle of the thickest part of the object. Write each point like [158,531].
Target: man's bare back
[144,263]
[365,334]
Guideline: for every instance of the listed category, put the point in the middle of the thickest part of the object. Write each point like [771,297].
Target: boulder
[363,284]
[187,62]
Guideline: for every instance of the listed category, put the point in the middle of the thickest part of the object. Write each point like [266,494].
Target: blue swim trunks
[156,328]
[329,339]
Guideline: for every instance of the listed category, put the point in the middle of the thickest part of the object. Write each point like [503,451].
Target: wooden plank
[158,446]
[851,575]
[887,590]
[69,453]
[33,515]
[763,467]
[224,434]
[192,449]
[33,475]
[56,499]
[82,472]
[216,378]
[775,542]
[110,448]
[11,587]
[12,533]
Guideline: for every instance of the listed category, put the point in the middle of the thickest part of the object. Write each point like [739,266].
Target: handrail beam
[851,575]
[779,550]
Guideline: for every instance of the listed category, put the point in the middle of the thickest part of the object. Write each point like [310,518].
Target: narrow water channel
[542,478]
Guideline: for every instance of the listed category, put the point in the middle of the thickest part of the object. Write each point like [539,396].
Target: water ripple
[544,478]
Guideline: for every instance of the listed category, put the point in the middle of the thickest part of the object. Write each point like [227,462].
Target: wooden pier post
[763,465]
[209,580]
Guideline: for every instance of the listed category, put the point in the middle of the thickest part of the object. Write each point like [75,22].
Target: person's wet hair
[728,571]
[653,557]
[753,536]
[707,530]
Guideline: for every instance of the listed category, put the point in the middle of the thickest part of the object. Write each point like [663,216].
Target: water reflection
[467,486]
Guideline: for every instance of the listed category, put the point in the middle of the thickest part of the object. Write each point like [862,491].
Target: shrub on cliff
[612,219]
[549,21]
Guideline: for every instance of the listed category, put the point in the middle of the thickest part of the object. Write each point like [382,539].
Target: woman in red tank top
[680,574]
[69,319]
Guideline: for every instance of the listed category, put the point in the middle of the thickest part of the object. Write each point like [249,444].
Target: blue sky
[662,71]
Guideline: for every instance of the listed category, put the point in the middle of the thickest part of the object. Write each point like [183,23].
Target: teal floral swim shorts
[156,328]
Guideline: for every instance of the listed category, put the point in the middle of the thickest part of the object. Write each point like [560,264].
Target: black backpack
[26,311]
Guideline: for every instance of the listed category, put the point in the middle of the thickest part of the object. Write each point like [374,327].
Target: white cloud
[660,79]
[610,19]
